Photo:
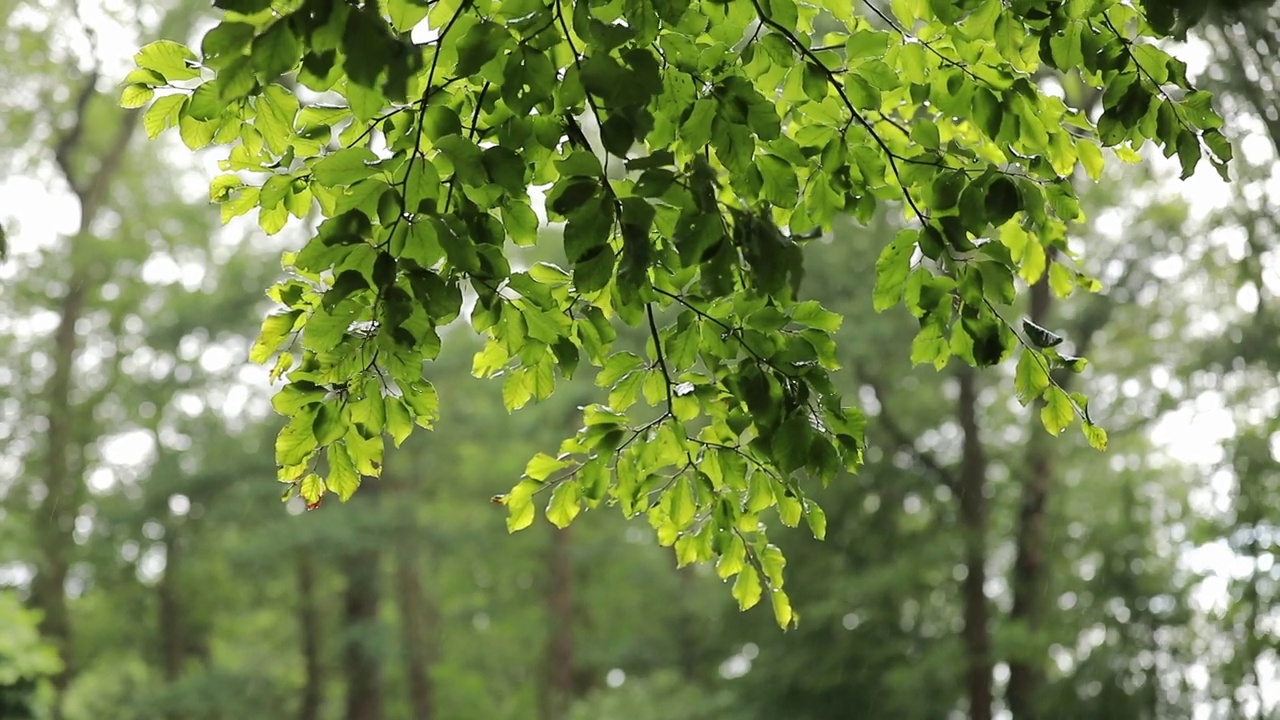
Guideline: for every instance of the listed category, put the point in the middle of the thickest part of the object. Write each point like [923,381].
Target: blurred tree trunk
[688,639]
[419,616]
[558,685]
[1030,578]
[361,598]
[63,489]
[973,518]
[420,627]
[311,630]
[57,510]
[1029,565]
[173,644]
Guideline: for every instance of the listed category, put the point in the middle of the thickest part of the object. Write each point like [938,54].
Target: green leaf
[815,83]
[683,507]
[541,466]
[565,504]
[330,423]
[312,489]
[780,184]
[406,14]
[1188,153]
[866,44]
[1002,201]
[244,7]
[1090,158]
[369,412]
[1058,411]
[162,114]
[296,396]
[1039,336]
[345,167]
[892,269]
[423,402]
[816,518]
[172,60]
[135,96]
[343,478]
[275,329]
[930,346]
[812,314]
[205,104]
[782,611]
[297,440]
[732,559]
[519,502]
[746,589]
[1096,436]
[1061,280]
[1031,378]
[276,51]
[399,423]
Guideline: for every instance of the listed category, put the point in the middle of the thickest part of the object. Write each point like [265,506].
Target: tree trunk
[311,629]
[62,486]
[360,622]
[419,618]
[58,508]
[169,601]
[1029,565]
[973,519]
[558,684]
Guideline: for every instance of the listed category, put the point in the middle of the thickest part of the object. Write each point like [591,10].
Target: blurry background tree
[136,523]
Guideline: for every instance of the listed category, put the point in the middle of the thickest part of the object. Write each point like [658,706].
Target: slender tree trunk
[558,685]
[360,615]
[1025,674]
[169,599]
[311,630]
[419,618]
[973,518]
[687,627]
[60,504]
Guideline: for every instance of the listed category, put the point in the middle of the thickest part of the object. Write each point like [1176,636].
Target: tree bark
[61,500]
[973,520]
[311,630]
[558,684]
[419,617]
[63,490]
[360,615]
[1029,566]
[169,601]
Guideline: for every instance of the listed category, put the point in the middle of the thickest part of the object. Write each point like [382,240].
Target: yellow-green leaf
[312,488]
[274,331]
[1057,412]
[782,611]
[1031,378]
[1090,158]
[399,424]
[519,504]
[746,589]
[343,478]
[172,60]
[732,559]
[564,505]
[1096,436]
[162,114]
[135,95]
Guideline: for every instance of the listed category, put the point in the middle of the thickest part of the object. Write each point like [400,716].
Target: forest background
[148,571]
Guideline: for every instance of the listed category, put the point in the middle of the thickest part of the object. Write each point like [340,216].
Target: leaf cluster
[727,136]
